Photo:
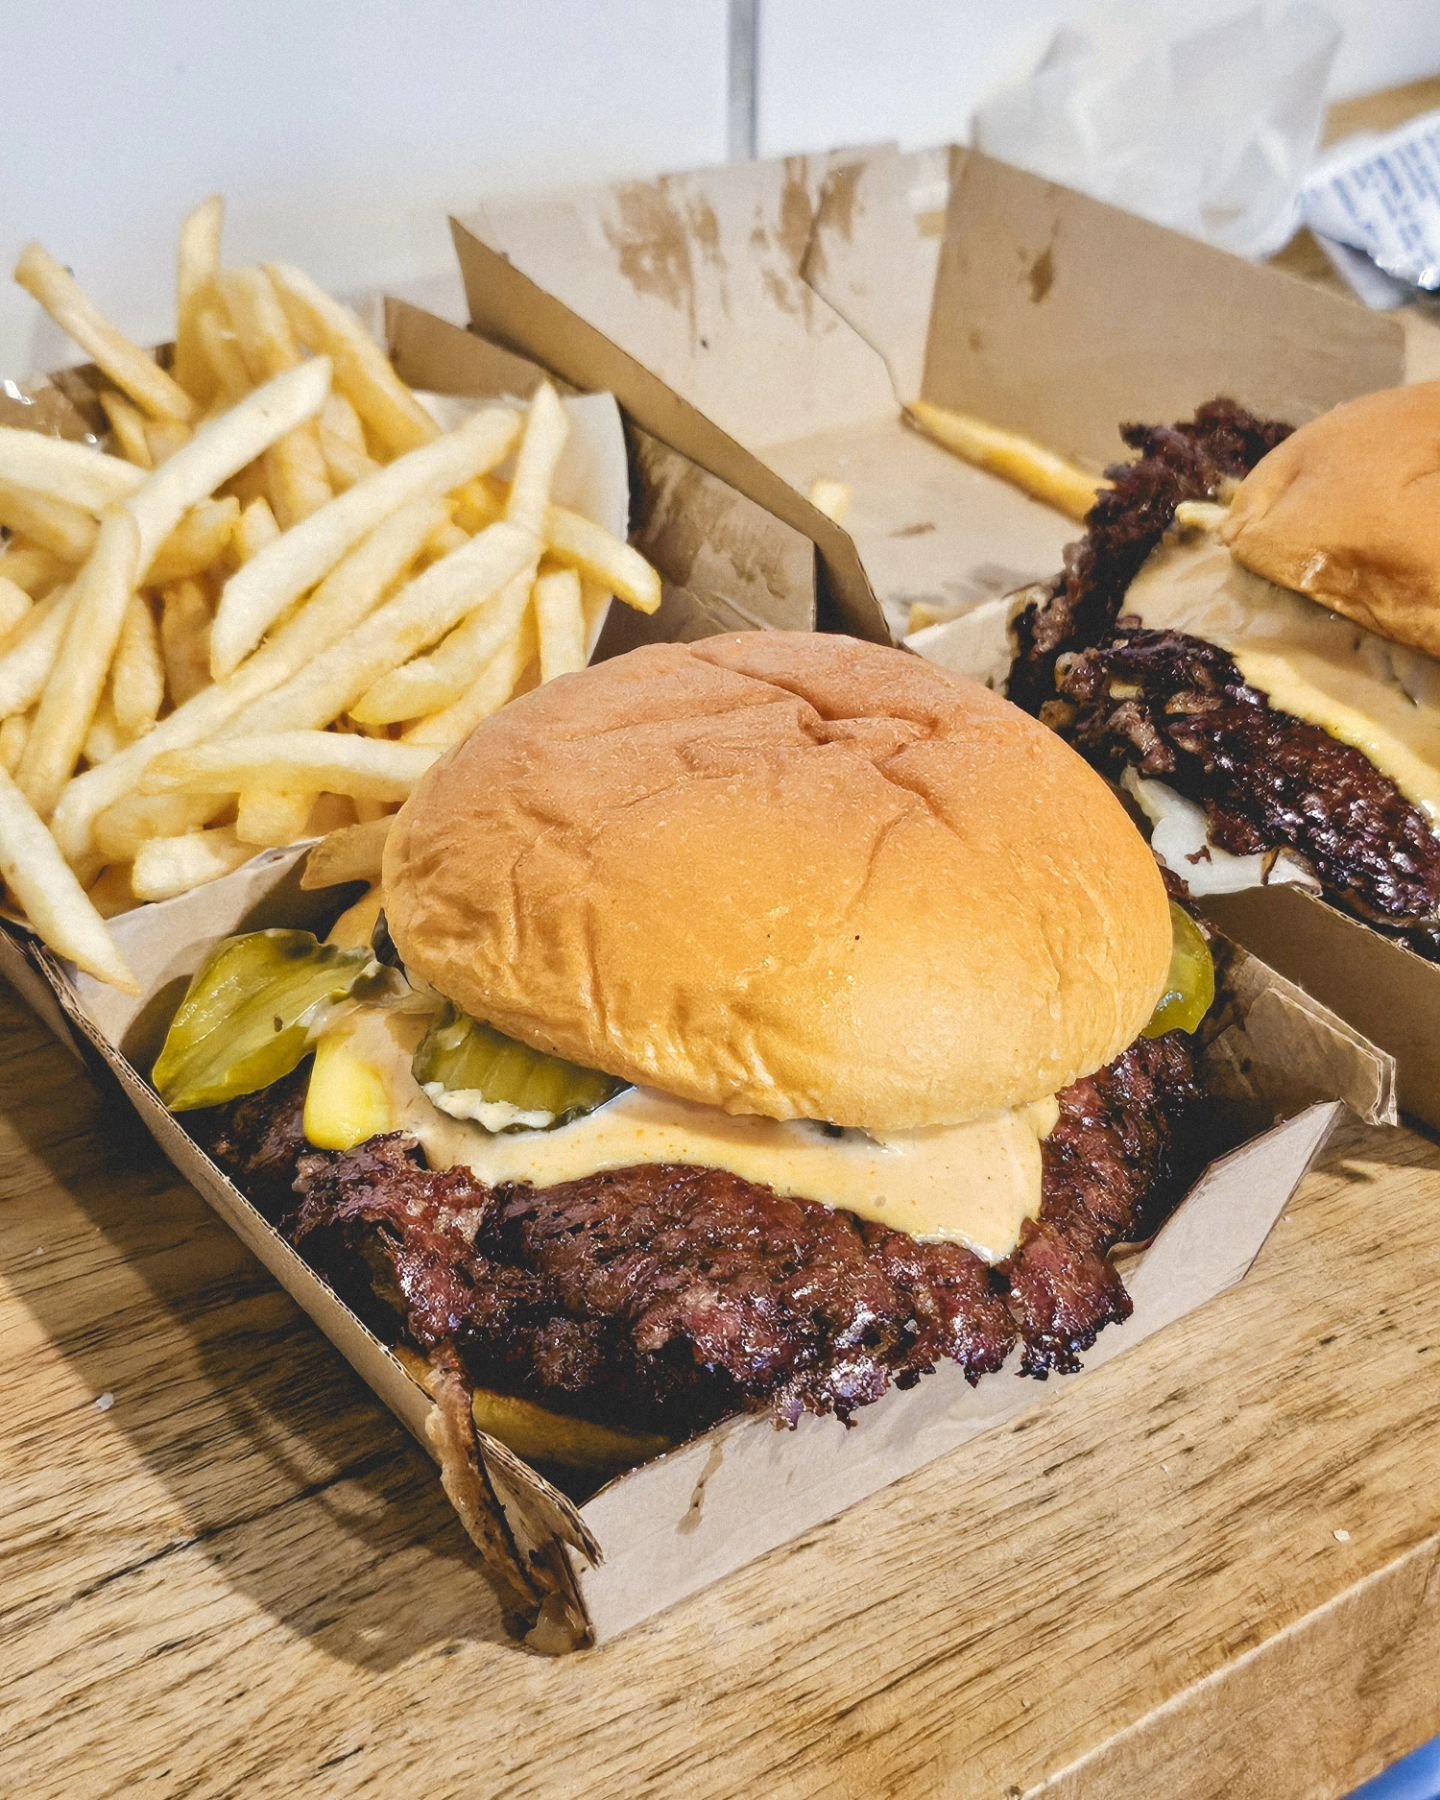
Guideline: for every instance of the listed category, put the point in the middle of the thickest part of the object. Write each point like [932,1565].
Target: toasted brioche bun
[1347,510]
[785,874]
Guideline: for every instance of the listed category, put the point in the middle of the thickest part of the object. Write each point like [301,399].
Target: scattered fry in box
[831,498]
[1016,459]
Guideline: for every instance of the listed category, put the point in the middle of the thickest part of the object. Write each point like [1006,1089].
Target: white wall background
[343,131]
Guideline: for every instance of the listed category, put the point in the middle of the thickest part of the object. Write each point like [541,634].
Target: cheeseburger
[1247,638]
[751,1023]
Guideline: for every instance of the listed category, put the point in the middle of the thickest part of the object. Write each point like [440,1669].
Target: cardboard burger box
[647,1538]
[773,319]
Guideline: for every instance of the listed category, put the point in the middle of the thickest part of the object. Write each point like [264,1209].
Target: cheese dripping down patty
[1380,697]
[975,1184]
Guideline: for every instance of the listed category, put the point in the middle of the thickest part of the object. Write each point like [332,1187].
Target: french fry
[28,660]
[138,677]
[54,901]
[424,610]
[65,530]
[74,474]
[351,854]
[199,264]
[495,681]
[254,529]
[600,557]
[13,733]
[217,345]
[167,866]
[595,600]
[220,448]
[31,568]
[560,623]
[110,893]
[256,595]
[391,413]
[197,543]
[427,683]
[104,737]
[347,595]
[136,820]
[546,428]
[294,466]
[127,422]
[185,639]
[355,927]
[831,497]
[495,684]
[341,420]
[304,761]
[163,437]
[1019,460]
[267,816]
[129,367]
[446,536]
[344,464]
[97,611]
[15,607]
[478,504]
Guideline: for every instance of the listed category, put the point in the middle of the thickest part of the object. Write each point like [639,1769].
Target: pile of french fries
[269,605]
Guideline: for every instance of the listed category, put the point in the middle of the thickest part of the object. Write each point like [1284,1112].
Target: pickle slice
[472,1071]
[243,1022]
[1190,984]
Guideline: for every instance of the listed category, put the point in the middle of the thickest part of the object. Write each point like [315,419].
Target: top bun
[1347,510]
[787,874]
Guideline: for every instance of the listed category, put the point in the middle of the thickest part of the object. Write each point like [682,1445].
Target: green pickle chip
[242,1024]
[461,1055]
[1190,984]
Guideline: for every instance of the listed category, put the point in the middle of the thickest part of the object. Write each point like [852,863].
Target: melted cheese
[975,1183]
[1364,690]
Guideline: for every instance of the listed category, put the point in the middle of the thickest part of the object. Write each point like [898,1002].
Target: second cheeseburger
[781,1016]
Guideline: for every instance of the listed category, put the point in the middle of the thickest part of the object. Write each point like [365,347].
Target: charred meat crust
[1178,709]
[668,1297]
[1187,461]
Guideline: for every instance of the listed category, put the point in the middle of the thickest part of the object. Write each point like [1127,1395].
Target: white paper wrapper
[1374,203]
[1204,124]
[1180,837]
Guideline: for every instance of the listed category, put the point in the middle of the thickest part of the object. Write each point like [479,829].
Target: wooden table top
[225,1568]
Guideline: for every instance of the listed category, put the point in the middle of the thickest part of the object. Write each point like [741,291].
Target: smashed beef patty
[1266,780]
[1178,709]
[668,1297]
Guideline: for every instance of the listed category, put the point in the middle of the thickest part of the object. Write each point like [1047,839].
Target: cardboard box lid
[770,319]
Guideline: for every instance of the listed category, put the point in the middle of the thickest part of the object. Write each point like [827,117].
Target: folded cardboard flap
[1385,990]
[1062,317]
[509,307]
[770,319]
[726,564]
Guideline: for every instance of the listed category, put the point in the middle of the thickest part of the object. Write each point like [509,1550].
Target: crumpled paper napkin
[1207,125]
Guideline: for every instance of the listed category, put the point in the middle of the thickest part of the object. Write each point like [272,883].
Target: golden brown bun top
[786,874]
[1347,510]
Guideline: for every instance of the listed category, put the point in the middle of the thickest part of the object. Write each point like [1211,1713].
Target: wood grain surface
[226,1569]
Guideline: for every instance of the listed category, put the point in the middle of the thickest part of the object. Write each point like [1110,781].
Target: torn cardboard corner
[588,1571]
[1381,987]
[772,319]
